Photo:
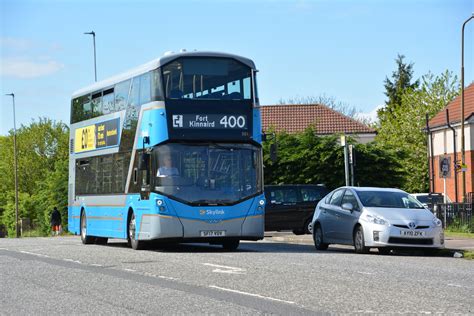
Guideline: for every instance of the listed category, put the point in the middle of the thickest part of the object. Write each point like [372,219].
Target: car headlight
[437,222]
[376,220]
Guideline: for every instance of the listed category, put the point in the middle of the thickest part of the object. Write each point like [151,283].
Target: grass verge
[448,233]
[468,255]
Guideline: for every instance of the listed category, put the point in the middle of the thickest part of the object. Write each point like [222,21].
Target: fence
[456,216]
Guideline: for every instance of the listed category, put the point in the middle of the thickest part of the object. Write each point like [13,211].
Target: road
[60,275]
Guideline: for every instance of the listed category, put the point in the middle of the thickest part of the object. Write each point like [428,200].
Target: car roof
[294,185]
[373,189]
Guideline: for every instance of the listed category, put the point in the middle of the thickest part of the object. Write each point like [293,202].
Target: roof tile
[454,108]
[297,117]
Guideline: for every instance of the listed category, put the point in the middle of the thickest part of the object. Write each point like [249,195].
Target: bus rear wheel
[231,245]
[86,240]
[136,244]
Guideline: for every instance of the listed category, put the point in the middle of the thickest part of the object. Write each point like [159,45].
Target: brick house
[443,145]
[296,118]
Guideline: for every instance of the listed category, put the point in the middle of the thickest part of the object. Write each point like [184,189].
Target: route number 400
[233,121]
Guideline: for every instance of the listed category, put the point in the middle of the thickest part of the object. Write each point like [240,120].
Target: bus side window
[108,101]
[156,85]
[96,105]
[145,88]
[121,95]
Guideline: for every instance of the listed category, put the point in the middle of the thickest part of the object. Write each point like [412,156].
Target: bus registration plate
[212,233]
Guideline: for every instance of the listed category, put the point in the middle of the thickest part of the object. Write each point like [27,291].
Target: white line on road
[225,269]
[130,270]
[72,260]
[34,254]
[367,273]
[251,294]
[96,265]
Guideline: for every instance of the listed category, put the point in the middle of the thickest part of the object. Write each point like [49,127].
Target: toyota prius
[375,218]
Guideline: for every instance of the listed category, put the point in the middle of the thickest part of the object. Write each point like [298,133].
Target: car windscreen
[388,199]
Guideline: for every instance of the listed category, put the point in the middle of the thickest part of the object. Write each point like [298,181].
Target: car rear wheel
[308,226]
[318,238]
[359,242]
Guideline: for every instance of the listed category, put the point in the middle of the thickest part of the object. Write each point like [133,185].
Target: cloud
[27,69]
[370,116]
[17,44]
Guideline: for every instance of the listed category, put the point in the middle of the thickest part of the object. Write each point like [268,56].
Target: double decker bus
[169,151]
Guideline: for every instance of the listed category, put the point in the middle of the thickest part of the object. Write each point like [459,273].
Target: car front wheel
[318,238]
[359,242]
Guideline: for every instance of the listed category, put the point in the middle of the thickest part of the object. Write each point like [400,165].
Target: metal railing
[456,216]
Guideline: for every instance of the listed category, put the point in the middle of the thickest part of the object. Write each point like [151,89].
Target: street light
[463,155]
[95,64]
[16,166]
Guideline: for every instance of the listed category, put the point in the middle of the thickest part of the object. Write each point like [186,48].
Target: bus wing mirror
[143,161]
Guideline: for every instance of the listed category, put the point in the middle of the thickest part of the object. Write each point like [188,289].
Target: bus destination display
[209,121]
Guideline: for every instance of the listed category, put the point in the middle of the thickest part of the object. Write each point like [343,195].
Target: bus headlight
[261,202]
[159,202]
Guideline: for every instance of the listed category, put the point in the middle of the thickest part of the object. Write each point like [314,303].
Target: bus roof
[153,65]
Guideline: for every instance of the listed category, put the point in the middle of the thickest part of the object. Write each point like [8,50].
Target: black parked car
[291,207]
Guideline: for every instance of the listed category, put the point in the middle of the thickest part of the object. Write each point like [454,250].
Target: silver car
[375,218]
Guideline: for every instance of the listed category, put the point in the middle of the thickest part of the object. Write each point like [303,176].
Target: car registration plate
[412,233]
[212,233]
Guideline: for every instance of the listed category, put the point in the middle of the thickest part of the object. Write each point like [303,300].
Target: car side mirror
[348,207]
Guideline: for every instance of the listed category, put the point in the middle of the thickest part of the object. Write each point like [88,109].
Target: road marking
[251,294]
[34,254]
[455,285]
[225,269]
[72,260]
[166,278]
[367,273]
[96,265]
[129,270]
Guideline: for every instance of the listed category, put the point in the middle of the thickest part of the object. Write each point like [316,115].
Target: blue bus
[169,151]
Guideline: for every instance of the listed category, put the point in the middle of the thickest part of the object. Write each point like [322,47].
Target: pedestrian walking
[55,222]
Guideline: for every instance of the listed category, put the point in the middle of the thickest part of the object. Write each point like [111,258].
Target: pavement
[451,243]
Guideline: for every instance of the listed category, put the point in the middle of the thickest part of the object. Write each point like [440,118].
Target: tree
[43,151]
[329,101]
[404,129]
[395,88]
[306,158]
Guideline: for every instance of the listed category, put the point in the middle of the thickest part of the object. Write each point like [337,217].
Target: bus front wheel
[86,240]
[136,244]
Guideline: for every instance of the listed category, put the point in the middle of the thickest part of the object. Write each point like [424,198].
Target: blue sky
[343,49]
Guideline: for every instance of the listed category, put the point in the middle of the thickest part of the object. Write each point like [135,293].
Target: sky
[337,48]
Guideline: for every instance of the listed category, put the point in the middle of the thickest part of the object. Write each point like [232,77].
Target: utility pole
[346,158]
[15,166]
[463,154]
[95,62]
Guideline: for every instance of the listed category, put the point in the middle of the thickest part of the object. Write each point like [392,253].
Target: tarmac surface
[61,276]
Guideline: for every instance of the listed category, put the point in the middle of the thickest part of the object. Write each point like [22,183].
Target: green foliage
[395,89]
[404,129]
[306,158]
[42,174]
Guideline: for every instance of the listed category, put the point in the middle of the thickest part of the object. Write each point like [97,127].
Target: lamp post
[95,63]
[463,154]
[16,166]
